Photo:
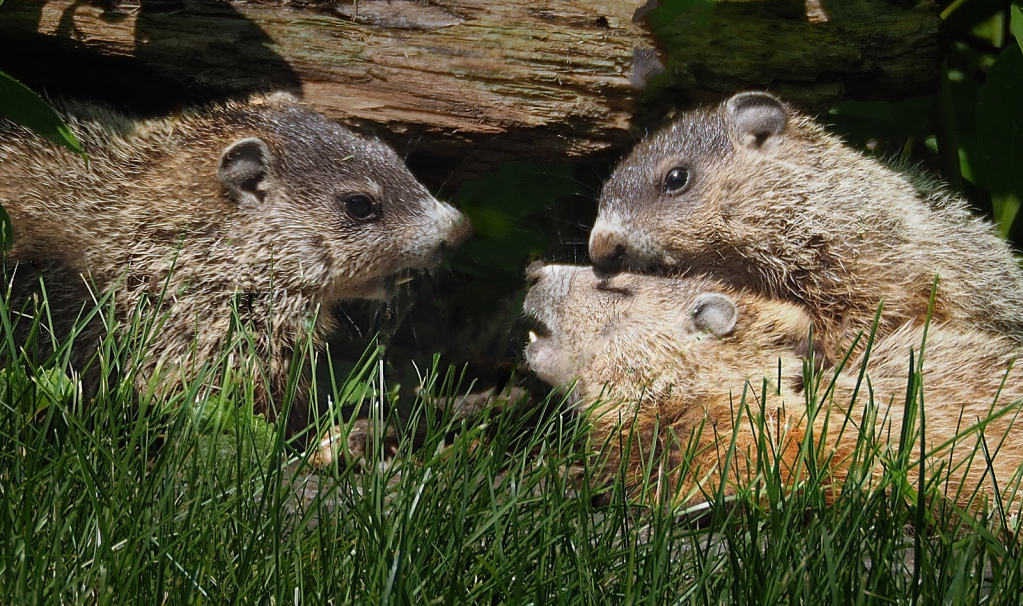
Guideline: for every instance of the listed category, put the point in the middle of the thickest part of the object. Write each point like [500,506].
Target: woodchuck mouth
[538,329]
[542,354]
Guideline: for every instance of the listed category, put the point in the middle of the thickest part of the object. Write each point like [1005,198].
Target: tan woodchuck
[762,197]
[680,356]
[262,205]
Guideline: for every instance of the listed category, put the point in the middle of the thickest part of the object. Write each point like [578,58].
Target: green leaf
[696,12]
[24,107]
[1016,24]
[6,231]
[230,432]
[1000,134]
[884,128]
[504,206]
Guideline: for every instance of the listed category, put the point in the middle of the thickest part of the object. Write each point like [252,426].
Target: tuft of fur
[243,204]
[645,347]
[775,204]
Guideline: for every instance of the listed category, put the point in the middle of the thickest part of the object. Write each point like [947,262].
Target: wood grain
[482,80]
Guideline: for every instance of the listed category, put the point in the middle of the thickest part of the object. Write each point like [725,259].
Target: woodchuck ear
[244,168]
[755,117]
[714,313]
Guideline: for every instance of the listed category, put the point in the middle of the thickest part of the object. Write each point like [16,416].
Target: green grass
[127,500]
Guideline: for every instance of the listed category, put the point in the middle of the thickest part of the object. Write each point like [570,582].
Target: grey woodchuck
[763,198]
[261,206]
[680,355]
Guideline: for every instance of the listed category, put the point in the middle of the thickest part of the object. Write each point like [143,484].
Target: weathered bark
[476,79]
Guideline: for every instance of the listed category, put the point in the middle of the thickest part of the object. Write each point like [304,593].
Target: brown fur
[775,204]
[247,201]
[641,347]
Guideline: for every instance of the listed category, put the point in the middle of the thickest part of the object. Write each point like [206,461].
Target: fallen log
[472,82]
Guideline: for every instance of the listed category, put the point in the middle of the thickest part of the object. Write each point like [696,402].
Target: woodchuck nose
[679,355]
[762,197]
[264,206]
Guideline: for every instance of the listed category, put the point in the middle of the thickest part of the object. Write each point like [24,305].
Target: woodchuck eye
[360,208]
[676,180]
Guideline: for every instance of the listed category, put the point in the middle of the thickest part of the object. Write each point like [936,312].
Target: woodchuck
[263,205]
[763,198]
[679,355]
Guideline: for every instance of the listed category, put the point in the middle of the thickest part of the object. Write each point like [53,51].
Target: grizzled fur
[679,354]
[264,204]
[764,198]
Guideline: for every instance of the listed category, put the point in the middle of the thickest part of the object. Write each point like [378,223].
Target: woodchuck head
[341,210]
[708,191]
[630,334]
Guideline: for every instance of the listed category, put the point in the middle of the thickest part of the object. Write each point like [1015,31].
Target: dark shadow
[211,48]
[185,52]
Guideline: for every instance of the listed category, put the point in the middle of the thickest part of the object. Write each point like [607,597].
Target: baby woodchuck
[762,197]
[680,355]
[263,206]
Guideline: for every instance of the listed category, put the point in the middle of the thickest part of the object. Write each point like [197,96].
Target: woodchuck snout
[263,208]
[763,198]
[680,355]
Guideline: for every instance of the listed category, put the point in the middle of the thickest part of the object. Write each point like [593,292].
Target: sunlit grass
[119,497]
